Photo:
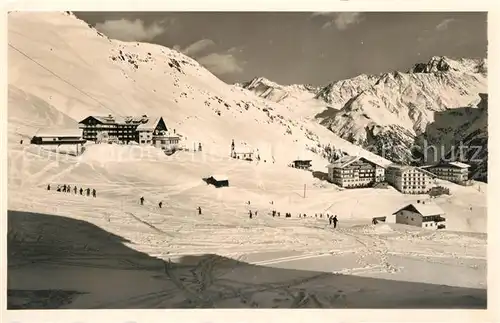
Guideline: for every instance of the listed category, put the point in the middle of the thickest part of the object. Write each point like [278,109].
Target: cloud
[443,25]
[127,30]
[323,13]
[341,20]
[195,47]
[221,63]
[217,63]
[235,49]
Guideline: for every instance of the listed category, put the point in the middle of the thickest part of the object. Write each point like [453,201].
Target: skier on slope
[68,189]
[81,190]
[88,191]
[75,189]
[199,210]
[48,187]
[160,204]
[334,220]
[64,188]
[94,192]
[250,214]
[142,200]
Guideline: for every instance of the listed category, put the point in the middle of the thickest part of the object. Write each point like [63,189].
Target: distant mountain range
[398,114]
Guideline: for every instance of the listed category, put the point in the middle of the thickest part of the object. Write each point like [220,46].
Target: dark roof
[134,120]
[425,209]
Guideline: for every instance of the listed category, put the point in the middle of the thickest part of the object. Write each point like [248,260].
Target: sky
[302,47]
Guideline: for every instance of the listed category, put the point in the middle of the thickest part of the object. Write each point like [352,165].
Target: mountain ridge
[390,112]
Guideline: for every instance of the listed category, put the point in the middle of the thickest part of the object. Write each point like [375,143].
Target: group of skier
[332,219]
[160,204]
[141,200]
[68,189]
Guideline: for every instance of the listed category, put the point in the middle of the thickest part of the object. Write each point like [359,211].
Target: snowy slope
[300,100]
[276,92]
[259,262]
[137,78]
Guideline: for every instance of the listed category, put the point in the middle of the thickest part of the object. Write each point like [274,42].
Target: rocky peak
[446,64]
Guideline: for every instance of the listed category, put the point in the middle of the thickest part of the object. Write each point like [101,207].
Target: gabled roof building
[421,214]
[125,129]
[456,172]
[409,179]
[355,171]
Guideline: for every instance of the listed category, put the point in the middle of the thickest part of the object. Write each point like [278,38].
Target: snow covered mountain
[97,75]
[390,114]
[300,100]
[278,93]
[387,113]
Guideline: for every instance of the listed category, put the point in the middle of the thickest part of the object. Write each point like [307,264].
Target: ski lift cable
[60,78]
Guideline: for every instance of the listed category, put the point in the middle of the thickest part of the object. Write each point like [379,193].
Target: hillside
[114,77]
[472,133]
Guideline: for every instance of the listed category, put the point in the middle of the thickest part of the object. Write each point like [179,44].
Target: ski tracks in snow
[372,247]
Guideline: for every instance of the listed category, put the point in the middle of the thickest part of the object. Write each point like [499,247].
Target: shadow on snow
[75,264]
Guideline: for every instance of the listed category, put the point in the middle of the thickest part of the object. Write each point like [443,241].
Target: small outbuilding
[378,219]
[58,137]
[217,180]
[302,164]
